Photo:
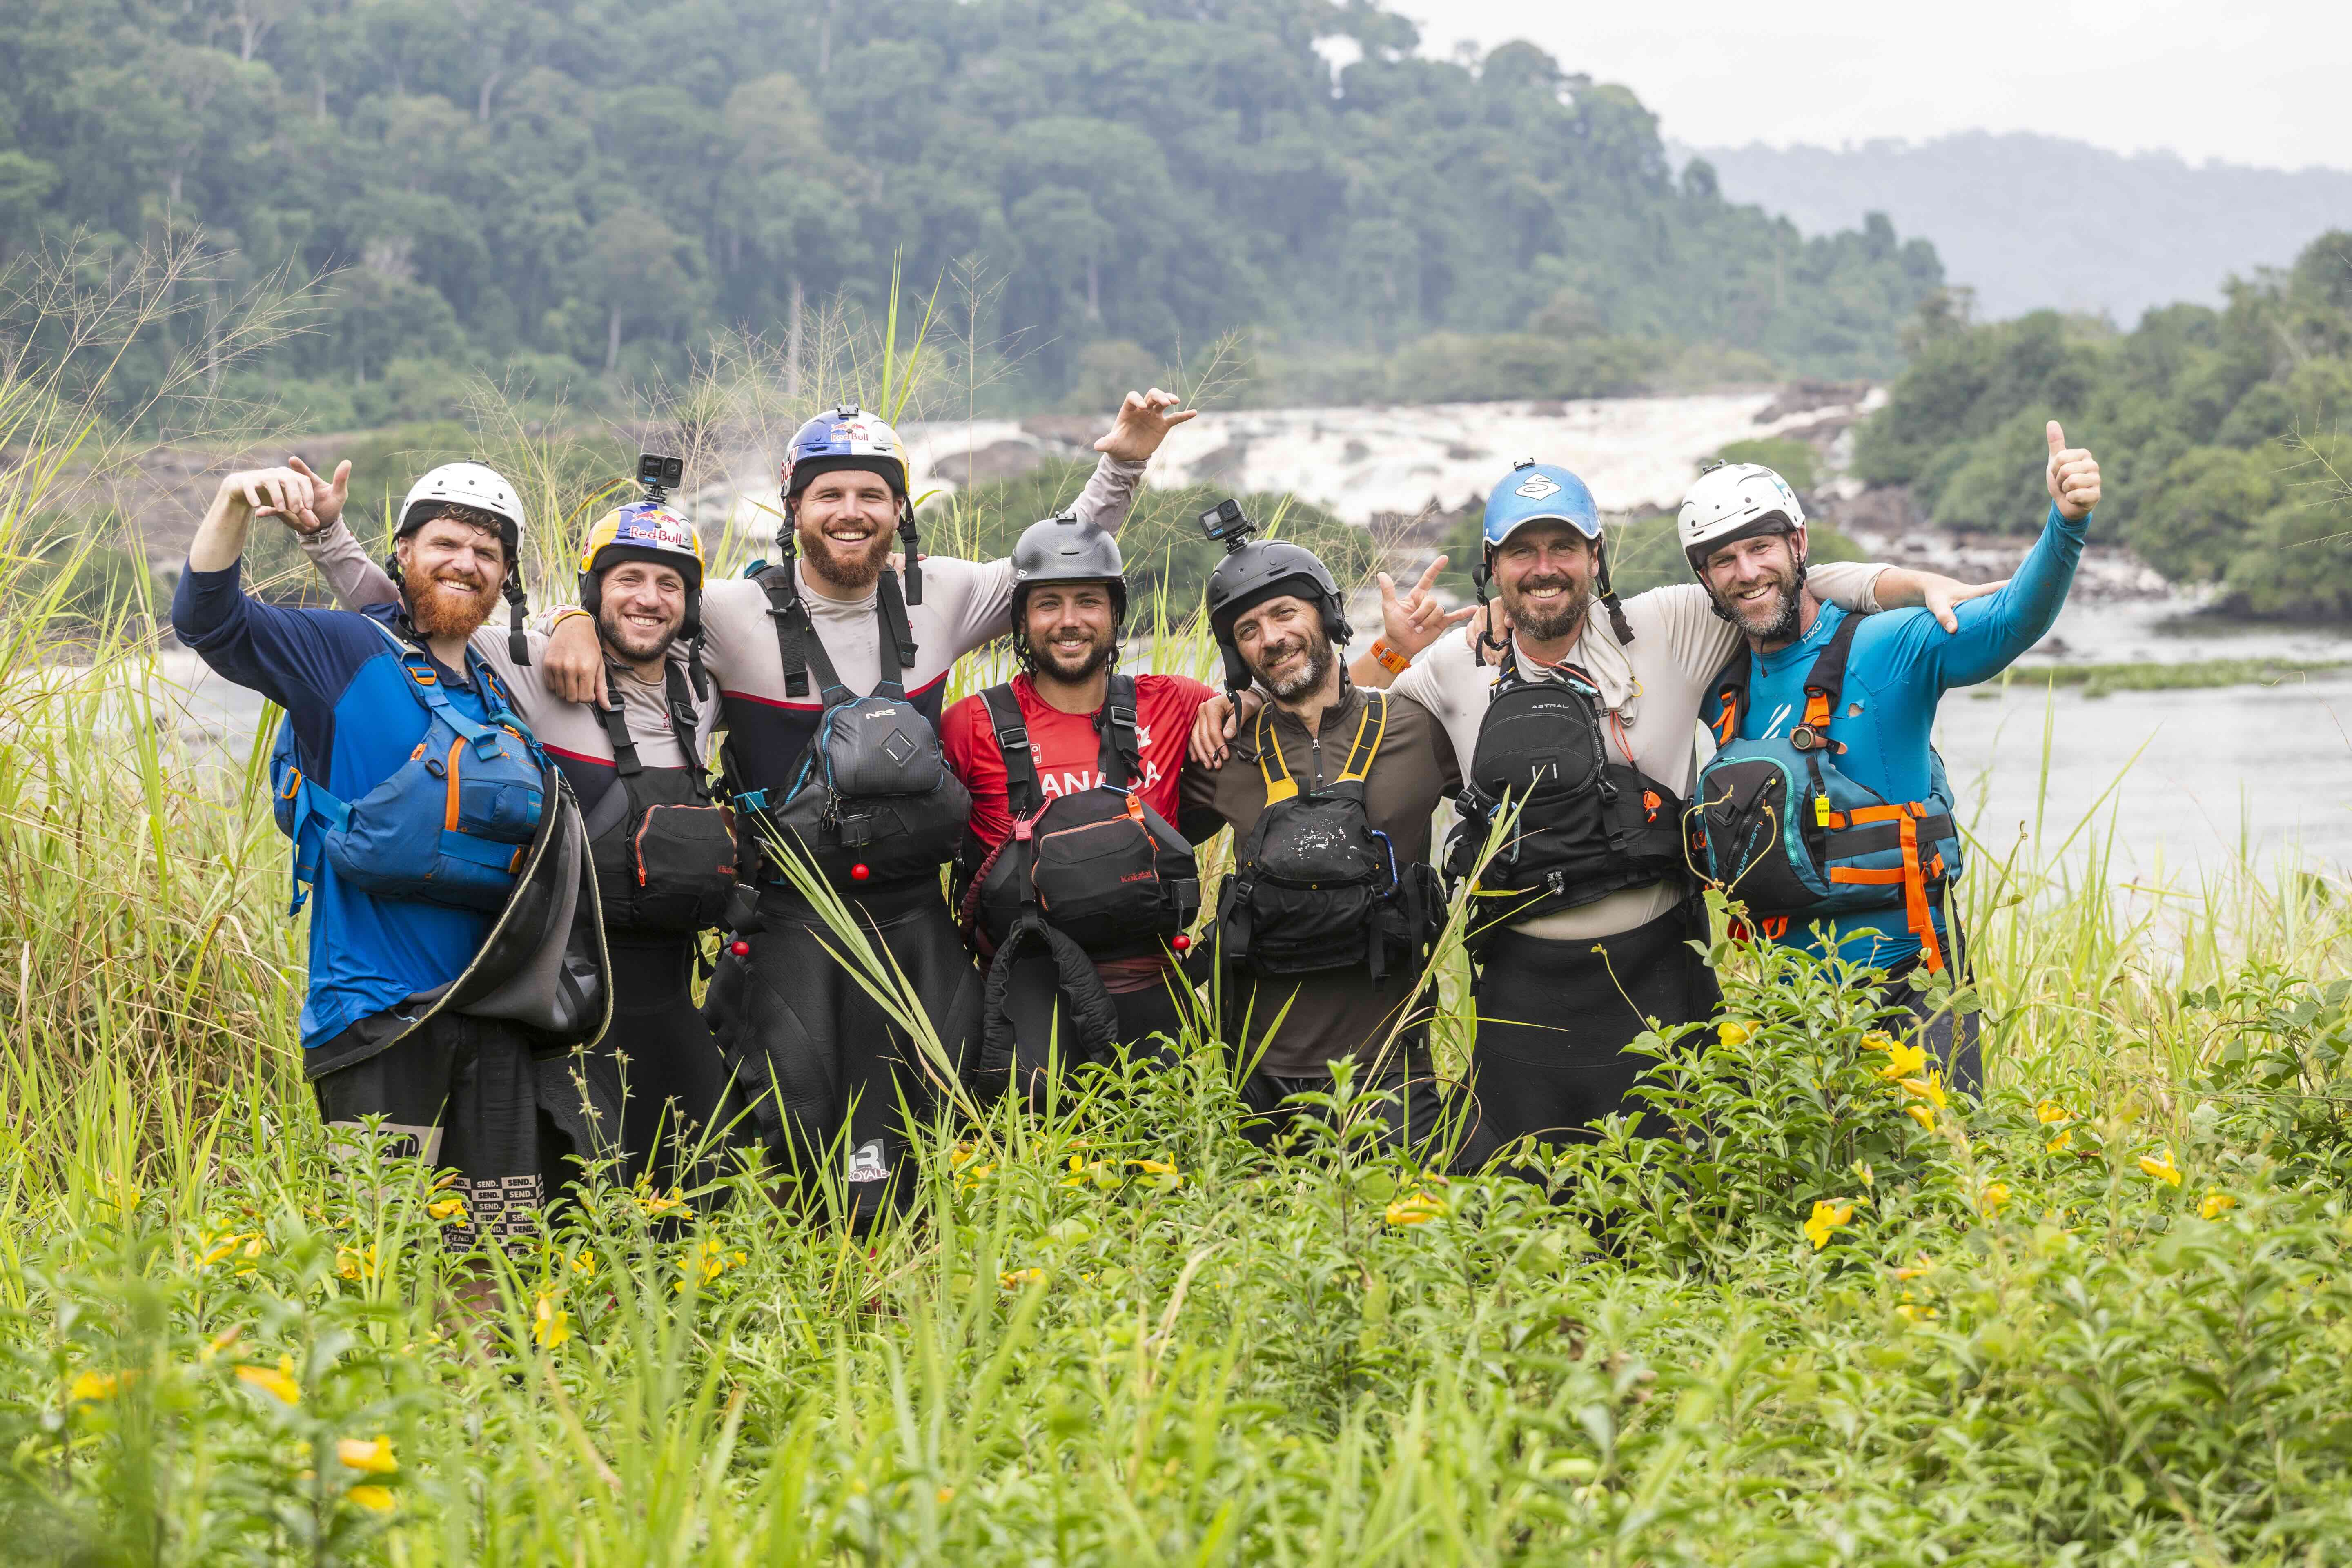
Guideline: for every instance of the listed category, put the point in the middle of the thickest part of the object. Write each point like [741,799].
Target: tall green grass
[1114,1333]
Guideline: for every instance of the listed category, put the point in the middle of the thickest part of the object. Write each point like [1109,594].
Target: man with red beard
[421,809]
[662,859]
[827,1064]
[1074,771]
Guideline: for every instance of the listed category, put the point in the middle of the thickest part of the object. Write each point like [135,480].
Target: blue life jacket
[451,827]
[1775,824]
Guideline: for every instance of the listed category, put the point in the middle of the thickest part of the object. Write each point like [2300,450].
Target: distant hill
[2037,221]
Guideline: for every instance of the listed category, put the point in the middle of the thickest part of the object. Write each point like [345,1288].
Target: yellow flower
[962,1154]
[550,1325]
[1910,1313]
[2161,1168]
[447,1208]
[1734,1033]
[1878,1040]
[1924,1115]
[355,1262]
[373,1498]
[1903,1062]
[276,1382]
[2050,1112]
[1826,1217]
[1416,1208]
[219,1343]
[1016,1279]
[2216,1205]
[2063,1141]
[1995,1194]
[374,1457]
[653,1205]
[707,1265]
[946,1496]
[90,1388]
[212,1248]
[585,1263]
[1923,1266]
[1929,1088]
[972,1176]
[1155,1167]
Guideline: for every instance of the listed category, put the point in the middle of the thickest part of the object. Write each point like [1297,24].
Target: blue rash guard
[1901,664]
[339,681]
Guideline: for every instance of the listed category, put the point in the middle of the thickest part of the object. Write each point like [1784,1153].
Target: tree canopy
[577,187]
[2221,433]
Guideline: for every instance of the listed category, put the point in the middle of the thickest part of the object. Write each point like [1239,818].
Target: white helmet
[474,485]
[1732,501]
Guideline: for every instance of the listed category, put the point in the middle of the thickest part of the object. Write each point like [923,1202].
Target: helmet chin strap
[1617,622]
[913,572]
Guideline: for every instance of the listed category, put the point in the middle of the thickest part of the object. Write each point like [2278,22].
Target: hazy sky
[2259,82]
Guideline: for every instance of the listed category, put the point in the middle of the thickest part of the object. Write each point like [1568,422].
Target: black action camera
[1226,524]
[659,475]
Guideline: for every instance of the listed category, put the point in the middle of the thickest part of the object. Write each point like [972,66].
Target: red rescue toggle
[858,872]
[1180,942]
[740,948]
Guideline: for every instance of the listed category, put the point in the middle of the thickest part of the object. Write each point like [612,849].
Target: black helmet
[1257,570]
[1064,550]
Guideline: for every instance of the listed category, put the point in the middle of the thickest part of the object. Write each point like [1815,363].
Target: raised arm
[1142,421]
[1994,631]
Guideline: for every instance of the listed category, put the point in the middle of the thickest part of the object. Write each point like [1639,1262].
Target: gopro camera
[659,475]
[1227,524]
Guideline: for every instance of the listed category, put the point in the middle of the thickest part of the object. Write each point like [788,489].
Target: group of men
[513,847]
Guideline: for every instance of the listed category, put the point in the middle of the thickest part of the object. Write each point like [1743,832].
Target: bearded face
[1544,572]
[843,521]
[1071,630]
[642,609]
[1756,580]
[1285,645]
[451,570]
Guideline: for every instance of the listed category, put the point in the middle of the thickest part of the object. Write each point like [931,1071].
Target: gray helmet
[1257,570]
[1064,550]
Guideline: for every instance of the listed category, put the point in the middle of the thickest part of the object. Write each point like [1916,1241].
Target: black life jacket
[1317,887]
[1779,826]
[870,800]
[1098,865]
[663,849]
[1589,825]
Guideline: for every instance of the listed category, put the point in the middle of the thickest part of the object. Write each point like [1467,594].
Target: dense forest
[586,191]
[2223,432]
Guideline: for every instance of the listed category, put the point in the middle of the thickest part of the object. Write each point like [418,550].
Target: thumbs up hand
[2074,476]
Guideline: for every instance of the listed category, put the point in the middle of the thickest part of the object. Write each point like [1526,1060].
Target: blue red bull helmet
[845,437]
[1539,492]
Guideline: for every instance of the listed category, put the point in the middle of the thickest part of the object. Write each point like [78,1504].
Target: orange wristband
[1393,661]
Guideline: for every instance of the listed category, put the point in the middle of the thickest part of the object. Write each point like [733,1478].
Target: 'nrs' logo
[1538,488]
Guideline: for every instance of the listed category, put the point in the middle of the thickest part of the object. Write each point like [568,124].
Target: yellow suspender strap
[1374,723]
[1279,784]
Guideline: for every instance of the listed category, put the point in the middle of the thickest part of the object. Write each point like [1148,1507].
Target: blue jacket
[356,722]
[1901,664]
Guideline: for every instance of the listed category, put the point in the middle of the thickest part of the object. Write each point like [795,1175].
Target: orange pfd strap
[1915,896]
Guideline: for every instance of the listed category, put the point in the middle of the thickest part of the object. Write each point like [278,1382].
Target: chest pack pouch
[1317,887]
[1779,826]
[663,848]
[872,788]
[452,825]
[1588,824]
[1098,865]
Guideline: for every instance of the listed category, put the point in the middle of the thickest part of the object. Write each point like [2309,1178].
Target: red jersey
[1067,750]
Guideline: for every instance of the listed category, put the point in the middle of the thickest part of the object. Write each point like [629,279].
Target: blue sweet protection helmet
[1538,492]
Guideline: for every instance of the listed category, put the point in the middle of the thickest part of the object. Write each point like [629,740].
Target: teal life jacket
[451,827]
[1775,824]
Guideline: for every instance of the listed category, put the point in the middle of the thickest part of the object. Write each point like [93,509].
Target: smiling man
[1826,810]
[415,1014]
[663,849]
[1074,771]
[1324,925]
[815,657]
